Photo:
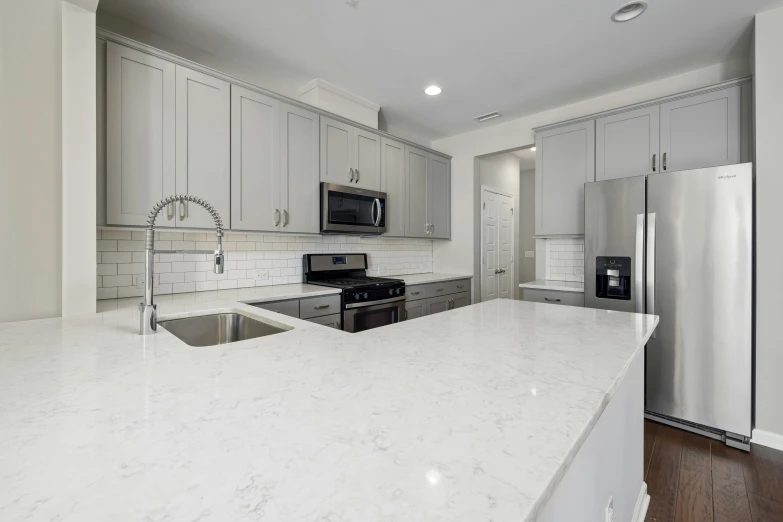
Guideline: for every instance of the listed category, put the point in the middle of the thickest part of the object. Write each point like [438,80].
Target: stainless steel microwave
[351,210]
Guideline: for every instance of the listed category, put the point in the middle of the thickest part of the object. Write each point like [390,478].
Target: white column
[78,157]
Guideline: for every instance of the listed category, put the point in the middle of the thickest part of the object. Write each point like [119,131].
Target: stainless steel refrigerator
[679,245]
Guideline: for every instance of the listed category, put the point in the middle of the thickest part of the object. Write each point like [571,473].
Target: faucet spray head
[219,257]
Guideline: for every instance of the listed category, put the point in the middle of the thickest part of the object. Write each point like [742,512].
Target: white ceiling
[514,56]
[527,159]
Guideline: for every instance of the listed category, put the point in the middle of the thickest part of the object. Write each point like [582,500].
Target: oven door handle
[371,304]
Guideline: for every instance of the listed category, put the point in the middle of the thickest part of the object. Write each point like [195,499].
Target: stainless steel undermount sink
[220,328]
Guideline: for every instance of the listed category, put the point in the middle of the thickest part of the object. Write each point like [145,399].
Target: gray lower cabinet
[318,306]
[289,308]
[553,297]
[332,321]
[565,161]
[140,112]
[432,298]
[626,144]
[203,145]
[323,310]
[460,300]
[701,131]
[415,309]
[438,304]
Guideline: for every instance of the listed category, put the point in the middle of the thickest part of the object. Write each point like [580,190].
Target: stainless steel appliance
[352,210]
[679,245]
[367,302]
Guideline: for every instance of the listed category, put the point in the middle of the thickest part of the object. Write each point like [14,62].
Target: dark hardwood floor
[691,478]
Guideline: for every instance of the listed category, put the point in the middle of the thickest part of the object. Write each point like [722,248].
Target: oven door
[358,317]
[350,209]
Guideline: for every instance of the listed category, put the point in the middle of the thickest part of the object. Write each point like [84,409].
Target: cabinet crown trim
[103,34]
[650,103]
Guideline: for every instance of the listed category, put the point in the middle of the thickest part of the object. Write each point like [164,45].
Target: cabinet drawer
[439,289]
[319,306]
[457,287]
[289,308]
[332,321]
[414,293]
[553,297]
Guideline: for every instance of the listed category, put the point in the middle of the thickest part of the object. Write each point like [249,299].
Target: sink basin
[222,328]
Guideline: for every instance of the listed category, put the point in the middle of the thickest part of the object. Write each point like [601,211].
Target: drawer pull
[321,307]
[460,286]
[438,289]
[555,300]
[415,293]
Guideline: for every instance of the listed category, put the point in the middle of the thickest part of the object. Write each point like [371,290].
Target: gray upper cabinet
[203,144]
[349,155]
[702,131]
[626,144]
[336,152]
[565,161]
[299,170]
[393,184]
[255,161]
[416,162]
[140,134]
[439,195]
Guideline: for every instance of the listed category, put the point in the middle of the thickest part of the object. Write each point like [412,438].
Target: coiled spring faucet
[148,309]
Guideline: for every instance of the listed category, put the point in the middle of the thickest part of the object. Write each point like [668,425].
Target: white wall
[30,159]
[78,158]
[769,249]
[501,172]
[457,255]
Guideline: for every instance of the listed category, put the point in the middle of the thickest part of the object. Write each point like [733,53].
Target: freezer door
[614,244]
[699,263]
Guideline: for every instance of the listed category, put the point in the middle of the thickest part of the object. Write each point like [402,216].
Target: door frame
[484,190]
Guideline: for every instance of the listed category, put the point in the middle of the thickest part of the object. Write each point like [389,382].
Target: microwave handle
[376,220]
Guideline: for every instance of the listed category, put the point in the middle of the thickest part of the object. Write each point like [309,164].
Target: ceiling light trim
[629,11]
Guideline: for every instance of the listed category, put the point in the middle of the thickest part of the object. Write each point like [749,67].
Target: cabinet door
[393,184]
[439,195]
[627,144]
[336,152]
[255,160]
[565,161]
[438,304]
[367,160]
[289,308]
[416,166]
[332,321]
[203,146]
[415,309]
[460,300]
[140,135]
[701,131]
[299,170]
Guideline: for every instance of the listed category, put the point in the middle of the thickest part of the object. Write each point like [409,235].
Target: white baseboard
[768,439]
[642,503]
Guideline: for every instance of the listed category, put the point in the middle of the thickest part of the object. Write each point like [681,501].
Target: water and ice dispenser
[613,277]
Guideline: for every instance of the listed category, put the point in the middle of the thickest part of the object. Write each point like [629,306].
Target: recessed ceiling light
[433,90]
[629,11]
[532,149]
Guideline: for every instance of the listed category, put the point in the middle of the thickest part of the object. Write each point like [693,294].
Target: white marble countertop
[433,277]
[560,286]
[217,298]
[472,414]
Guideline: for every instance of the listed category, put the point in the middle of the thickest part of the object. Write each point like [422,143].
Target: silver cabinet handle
[451,301]
[432,228]
[376,220]
[651,265]
[415,293]
[321,307]
[552,299]
[653,165]
[438,289]
[277,217]
[664,161]
[285,218]
[460,286]
[351,174]
[427,228]
[405,315]
[639,265]
[170,210]
[182,210]
[357,175]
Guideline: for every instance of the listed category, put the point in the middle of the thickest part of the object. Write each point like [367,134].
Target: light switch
[530,253]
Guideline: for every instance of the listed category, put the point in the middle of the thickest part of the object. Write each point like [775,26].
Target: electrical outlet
[610,510]
[138,281]
[530,253]
[261,275]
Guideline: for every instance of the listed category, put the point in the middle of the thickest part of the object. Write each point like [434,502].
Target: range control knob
[391,291]
[399,291]
[357,296]
[366,295]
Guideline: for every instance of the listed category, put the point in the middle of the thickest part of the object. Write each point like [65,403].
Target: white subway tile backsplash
[279,255]
[564,259]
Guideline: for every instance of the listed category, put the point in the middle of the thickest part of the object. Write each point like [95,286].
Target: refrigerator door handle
[651,265]
[639,268]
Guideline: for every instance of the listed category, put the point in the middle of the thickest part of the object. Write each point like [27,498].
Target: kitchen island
[490,412]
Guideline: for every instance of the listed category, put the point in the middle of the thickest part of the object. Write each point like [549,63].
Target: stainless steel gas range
[367,302]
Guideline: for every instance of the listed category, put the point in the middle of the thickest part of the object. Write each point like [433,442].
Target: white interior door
[497,245]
